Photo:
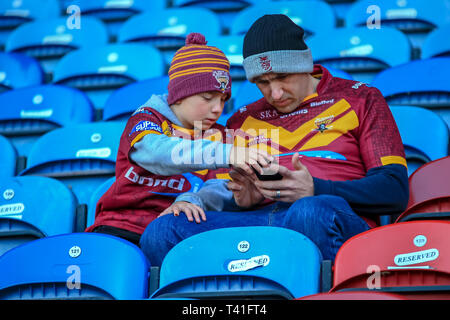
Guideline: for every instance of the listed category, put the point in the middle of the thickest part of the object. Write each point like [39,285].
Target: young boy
[172,144]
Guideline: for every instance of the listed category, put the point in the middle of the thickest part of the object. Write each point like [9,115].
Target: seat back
[99,72]
[34,207]
[30,112]
[415,18]
[74,266]
[360,51]
[408,258]
[435,44]
[18,70]
[8,158]
[49,40]
[421,83]
[241,262]
[168,29]
[429,191]
[98,193]
[124,101]
[303,13]
[82,156]
[14,13]
[424,145]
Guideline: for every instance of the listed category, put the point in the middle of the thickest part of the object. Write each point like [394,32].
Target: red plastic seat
[429,192]
[354,295]
[409,258]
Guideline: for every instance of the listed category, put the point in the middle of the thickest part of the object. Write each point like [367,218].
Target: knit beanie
[274,43]
[197,68]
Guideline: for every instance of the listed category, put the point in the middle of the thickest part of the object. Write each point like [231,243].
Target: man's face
[284,91]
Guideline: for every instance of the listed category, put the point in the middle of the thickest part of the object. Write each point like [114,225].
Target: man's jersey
[138,196]
[341,132]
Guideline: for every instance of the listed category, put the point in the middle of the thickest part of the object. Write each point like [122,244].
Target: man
[338,151]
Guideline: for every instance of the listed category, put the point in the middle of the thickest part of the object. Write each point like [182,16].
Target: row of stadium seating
[43,255]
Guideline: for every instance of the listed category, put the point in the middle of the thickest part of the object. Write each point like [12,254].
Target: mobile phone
[268,176]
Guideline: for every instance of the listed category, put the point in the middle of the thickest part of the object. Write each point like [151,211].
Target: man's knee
[321,203]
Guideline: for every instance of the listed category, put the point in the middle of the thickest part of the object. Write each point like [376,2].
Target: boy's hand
[192,211]
[248,158]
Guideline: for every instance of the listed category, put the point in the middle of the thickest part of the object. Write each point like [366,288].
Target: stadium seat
[49,40]
[226,10]
[124,101]
[416,18]
[407,258]
[82,156]
[354,295]
[28,113]
[240,263]
[73,267]
[18,70]
[429,192]
[436,44]
[360,51]
[98,193]
[13,13]
[115,12]
[303,13]
[421,83]
[421,146]
[167,30]
[36,207]
[99,72]
[8,158]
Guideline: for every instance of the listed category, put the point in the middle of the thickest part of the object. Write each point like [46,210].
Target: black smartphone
[268,176]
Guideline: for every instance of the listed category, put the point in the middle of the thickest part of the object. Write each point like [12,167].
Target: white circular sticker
[96,137]
[243,246]
[8,194]
[420,240]
[75,251]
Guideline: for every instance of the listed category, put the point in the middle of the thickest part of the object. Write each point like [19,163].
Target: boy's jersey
[138,196]
[341,132]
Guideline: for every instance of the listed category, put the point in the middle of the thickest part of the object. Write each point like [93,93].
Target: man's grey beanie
[274,43]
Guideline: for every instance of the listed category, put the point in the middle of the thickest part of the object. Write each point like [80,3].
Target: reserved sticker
[247,264]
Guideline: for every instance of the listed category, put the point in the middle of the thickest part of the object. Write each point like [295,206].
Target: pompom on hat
[197,68]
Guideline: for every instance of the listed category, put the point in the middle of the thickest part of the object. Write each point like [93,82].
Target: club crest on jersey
[146,125]
[265,63]
[222,78]
[322,124]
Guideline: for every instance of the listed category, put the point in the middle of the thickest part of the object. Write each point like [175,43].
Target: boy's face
[201,110]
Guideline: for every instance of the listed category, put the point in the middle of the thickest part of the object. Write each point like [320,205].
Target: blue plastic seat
[124,101]
[422,83]
[167,29]
[421,146]
[226,10]
[303,13]
[82,156]
[28,113]
[49,40]
[240,262]
[100,71]
[14,13]
[18,70]
[74,266]
[436,43]
[8,158]
[360,51]
[33,208]
[416,18]
[98,193]
[115,13]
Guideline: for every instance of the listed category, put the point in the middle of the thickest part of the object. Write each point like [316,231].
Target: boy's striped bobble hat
[197,68]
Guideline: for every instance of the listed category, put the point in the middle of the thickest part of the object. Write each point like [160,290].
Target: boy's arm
[167,156]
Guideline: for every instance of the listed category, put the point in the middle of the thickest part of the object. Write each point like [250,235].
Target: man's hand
[192,211]
[244,191]
[295,184]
